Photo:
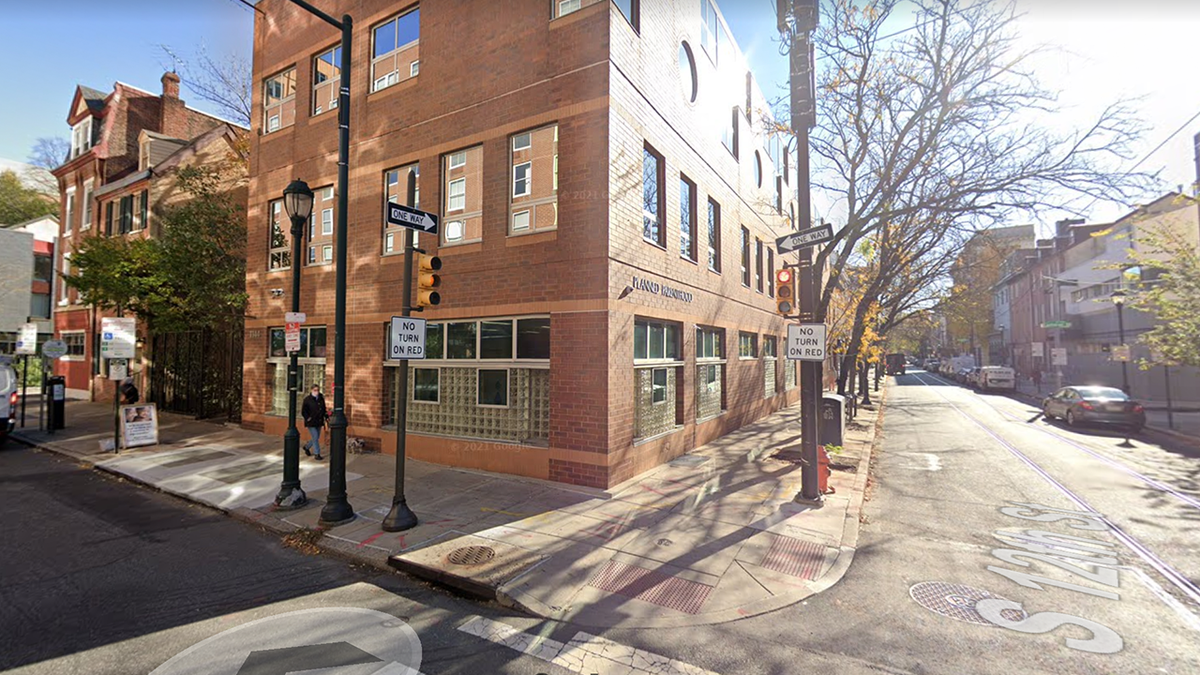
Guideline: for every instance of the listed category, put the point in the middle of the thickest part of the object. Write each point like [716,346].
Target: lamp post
[297,201]
[337,509]
[1118,299]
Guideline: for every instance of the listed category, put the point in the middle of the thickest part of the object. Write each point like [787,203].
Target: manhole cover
[471,555]
[957,601]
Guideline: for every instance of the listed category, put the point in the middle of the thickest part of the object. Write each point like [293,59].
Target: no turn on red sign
[806,342]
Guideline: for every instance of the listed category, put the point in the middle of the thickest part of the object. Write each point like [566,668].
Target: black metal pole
[291,495]
[1170,406]
[42,399]
[337,507]
[401,517]
[116,402]
[1121,337]
[25,385]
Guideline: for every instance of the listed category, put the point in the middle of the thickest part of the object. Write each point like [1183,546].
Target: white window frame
[68,226]
[85,221]
[566,7]
[462,226]
[528,136]
[327,253]
[528,221]
[274,121]
[64,290]
[438,400]
[528,168]
[62,334]
[333,88]
[414,68]
[461,155]
[81,137]
[666,383]
[326,222]
[507,381]
[391,77]
[450,196]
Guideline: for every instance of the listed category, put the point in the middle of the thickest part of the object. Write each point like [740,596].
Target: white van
[997,377]
[8,401]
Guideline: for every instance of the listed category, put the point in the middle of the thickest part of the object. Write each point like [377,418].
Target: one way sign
[413,219]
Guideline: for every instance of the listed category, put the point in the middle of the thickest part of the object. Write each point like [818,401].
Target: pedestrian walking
[1037,380]
[129,393]
[314,412]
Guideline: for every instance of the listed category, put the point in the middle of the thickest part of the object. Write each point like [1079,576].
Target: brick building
[609,191]
[105,187]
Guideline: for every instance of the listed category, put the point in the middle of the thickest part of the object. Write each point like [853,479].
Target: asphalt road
[103,577]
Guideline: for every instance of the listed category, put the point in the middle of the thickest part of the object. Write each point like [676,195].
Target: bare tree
[222,80]
[49,152]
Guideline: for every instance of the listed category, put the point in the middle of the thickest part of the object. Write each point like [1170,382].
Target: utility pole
[798,19]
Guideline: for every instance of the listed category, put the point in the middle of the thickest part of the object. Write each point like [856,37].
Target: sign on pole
[1119,353]
[294,317]
[1056,324]
[406,338]
[27,339]
[54,349]
[1058,356]
[118,337]
[804,238]
[413,219]
[291,337]
[806,342]
[118,369]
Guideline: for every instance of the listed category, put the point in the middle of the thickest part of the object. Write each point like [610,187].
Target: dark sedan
[1094,405]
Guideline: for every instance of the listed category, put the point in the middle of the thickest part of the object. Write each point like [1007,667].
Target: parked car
[971,377]
[8,401]
[961,375]
[1094,405]
[932,365]
[992,378]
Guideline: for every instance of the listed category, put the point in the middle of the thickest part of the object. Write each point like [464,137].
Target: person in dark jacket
[314,413]
[129,393]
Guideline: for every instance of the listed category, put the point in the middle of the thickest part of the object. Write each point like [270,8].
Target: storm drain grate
[957,601]
[651,586]
[471,555]
[795,557]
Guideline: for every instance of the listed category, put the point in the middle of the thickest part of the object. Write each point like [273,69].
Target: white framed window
[76,342]
[394,48]
[458,159]
[63,291]
[521,179]
[658,386]
[520,221]
[81,137]
[280,248]
[456,196]
[565,7]
[70,223]
[85,220]
[556,172]
[454,230]
[327,253]
[326,222]
[414,69]
[492,390]
[522,142]
[279,100]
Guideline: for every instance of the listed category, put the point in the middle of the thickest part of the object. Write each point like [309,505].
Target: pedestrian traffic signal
[428,280]
[785,291]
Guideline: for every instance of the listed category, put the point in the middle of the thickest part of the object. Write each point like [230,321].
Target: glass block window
[461,410]
[307,374]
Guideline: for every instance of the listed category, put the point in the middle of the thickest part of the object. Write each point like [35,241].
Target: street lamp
[297,201]
[1118,299]
[337,509]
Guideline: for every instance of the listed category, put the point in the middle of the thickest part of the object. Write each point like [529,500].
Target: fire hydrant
[823,471]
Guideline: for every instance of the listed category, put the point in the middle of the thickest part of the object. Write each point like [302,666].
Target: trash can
[832,427]
[57,388]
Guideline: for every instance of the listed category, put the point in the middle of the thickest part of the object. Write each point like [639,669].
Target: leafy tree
[19,203]
[1173,297]
[191,277]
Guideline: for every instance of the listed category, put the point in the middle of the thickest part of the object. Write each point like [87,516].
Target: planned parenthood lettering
[661,289]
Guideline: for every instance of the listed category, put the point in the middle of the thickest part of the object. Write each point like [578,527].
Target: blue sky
[1112,48]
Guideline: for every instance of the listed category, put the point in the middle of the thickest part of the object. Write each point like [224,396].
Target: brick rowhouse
[609,192]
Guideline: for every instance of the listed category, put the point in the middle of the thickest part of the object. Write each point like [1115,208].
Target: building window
[63,289]
[463,181]
[85,222]
[652,198]
[426,384]
[395,49]
[280,253]
[82,138]
[143,220]
[521,179]
[770,272]
[75,342]
[687,218]
[395,188]
[310,359]
[629,10]
[312,342]
[770,346]
[710,372]
[758,174]
[43,268]
[729,135]
[687,72]
[758,264]
[747,346]
[745,257]
[125,223]
[327,73]
[709,26]
[534,203]
[493,387]
[320,227]
[655,341]
[279,101]
[714,236]
[70,219]
[658,385]
[769,349]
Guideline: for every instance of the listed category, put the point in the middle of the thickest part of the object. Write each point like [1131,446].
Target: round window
[687,72]
[757,168]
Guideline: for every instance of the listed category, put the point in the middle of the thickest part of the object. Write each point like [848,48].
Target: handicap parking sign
[108,336]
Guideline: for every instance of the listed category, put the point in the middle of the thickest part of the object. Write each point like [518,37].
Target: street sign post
[806,342]
[1119,353]
[27,339]
[1058,356]
[407,338]
[413,219]
[118,369]
[804,238]
[1056,324]
[118,337]
[54,349]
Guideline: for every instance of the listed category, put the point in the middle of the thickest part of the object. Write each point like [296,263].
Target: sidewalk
[710,537]
[1186,414]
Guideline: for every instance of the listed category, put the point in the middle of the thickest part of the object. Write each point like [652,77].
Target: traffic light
[428,280]
[785,291]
